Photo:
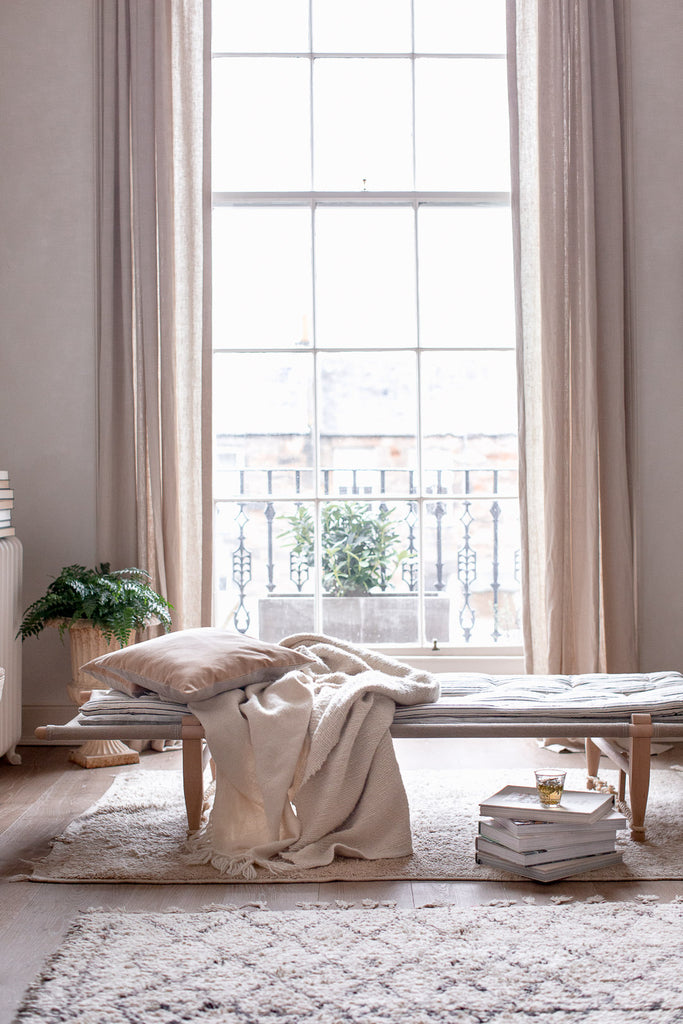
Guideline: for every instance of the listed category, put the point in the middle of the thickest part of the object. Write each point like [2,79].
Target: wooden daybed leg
[193,781]
[639,772]
[592,761]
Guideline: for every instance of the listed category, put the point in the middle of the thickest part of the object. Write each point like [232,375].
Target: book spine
[563,869]
[550,841]
[525,829]
[544,856]
[541,815]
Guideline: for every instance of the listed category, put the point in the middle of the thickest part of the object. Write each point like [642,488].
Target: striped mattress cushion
[468,696]
[111,707]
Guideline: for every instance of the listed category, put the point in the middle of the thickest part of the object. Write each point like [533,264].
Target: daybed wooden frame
[633,763]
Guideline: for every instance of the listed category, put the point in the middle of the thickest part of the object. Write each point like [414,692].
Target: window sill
[493,661]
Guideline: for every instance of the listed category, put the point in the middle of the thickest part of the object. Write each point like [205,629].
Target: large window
[365,474]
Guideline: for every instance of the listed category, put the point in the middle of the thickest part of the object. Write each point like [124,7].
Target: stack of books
[520,834]
[6,505]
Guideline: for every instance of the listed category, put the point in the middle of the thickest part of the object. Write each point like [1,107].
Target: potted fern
[114,602]
[99,608]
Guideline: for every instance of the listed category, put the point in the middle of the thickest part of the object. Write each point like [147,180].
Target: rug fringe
[341,906]
[601,786]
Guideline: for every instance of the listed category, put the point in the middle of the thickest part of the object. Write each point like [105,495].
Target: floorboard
[39,797]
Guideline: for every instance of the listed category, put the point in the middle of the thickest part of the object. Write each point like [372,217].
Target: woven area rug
[136,832]
[606,963]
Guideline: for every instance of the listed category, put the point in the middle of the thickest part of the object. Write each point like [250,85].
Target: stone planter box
[368,619]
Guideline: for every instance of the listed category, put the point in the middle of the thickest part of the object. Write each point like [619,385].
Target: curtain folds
[566,109]
[154,430]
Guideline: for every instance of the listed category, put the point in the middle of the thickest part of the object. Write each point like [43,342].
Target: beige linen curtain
[154,328]
[566,77]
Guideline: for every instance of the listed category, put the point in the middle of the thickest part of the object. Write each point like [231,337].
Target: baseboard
[34,715]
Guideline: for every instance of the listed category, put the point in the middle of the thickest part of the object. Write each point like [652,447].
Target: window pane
[260,25]
[263,586]
[460,26]
[461,125]
[262,278]
[362,124]
[357,26]
[365,277]
[471,554]
[466,292]
[368,415]
[261,124]
[469,414]
[367,598]
[263,408]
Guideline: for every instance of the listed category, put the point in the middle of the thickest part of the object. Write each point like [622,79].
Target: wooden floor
[39,797]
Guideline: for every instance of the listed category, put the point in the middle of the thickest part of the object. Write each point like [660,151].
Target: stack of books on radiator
[6,505]
[519,834]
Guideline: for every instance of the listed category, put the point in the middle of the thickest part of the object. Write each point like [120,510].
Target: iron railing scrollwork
[241,572]
[463,563]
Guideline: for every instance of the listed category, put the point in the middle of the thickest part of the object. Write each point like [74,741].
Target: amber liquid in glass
[550,791]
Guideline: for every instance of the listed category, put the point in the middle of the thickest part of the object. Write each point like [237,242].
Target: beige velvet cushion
[194,664]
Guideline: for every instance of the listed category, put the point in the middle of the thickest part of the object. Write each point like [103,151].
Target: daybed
[602,709]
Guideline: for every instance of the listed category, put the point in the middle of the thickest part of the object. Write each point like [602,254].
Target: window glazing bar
[360,198]
[366,55]
[378,350]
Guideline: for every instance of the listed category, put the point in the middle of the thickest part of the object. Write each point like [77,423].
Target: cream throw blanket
[305,765]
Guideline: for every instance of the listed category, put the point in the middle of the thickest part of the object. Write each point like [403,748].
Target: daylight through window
[365,465]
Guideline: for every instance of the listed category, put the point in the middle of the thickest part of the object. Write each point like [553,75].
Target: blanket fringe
[199,850]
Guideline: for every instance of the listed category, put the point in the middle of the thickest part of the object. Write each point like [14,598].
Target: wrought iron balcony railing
[461,541]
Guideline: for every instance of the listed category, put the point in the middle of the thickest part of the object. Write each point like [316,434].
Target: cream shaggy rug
[136,832]
[603,964]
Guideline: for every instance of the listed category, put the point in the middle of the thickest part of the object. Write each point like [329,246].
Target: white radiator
[10,648]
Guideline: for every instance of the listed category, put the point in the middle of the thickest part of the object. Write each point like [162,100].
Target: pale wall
[657,62]
[47,298]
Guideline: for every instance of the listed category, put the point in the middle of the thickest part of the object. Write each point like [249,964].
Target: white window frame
[461,657]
